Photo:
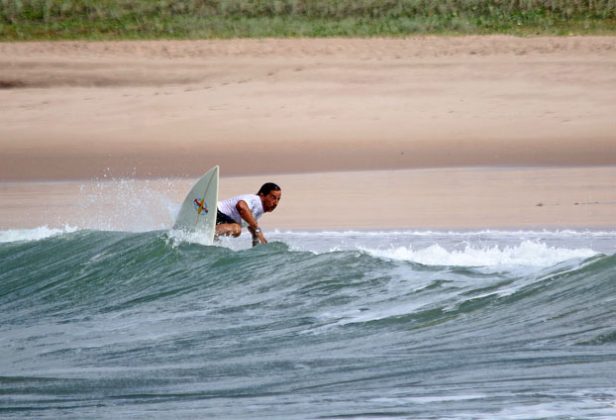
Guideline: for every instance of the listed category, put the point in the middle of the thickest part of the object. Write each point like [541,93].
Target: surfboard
[198,211]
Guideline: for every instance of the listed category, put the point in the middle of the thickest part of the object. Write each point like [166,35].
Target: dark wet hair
[267,188]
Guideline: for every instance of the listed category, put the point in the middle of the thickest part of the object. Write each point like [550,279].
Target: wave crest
[35,234]
[527,253]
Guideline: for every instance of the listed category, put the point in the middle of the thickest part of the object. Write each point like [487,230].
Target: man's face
[270,201]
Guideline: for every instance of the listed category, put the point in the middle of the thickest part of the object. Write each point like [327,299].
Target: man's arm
[253,226]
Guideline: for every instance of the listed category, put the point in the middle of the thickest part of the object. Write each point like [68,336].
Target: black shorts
[223,219]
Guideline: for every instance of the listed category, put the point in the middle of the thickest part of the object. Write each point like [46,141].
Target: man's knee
[229,229]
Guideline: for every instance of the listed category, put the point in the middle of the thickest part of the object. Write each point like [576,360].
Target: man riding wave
[247,208]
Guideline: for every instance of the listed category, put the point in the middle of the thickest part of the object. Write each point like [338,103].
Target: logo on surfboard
[200,206]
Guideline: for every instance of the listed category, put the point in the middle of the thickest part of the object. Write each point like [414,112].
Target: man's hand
[257,236]
[253,227]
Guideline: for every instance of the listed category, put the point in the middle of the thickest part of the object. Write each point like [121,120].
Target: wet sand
[448,198]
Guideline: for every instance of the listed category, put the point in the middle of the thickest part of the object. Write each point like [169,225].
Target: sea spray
[127,204]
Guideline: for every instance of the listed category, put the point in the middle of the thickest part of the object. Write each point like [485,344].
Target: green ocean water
[407,324]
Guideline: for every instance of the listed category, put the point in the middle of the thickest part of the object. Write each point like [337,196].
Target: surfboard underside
[198,211]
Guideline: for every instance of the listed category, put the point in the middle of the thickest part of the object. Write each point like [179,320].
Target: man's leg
[228,229]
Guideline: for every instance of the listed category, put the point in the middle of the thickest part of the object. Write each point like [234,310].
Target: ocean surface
[353,324]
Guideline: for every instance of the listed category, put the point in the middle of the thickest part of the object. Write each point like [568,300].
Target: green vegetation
[199,19]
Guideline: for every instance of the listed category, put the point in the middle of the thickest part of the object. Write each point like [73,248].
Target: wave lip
[34,234]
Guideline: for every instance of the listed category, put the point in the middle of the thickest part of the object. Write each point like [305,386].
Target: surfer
[248,208]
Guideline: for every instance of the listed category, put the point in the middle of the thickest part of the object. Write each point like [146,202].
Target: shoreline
[433,199]
[110,178]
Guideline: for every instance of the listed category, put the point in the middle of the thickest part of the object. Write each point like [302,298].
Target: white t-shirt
[229,208]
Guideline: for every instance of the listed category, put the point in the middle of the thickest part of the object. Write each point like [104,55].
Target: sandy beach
[431,132]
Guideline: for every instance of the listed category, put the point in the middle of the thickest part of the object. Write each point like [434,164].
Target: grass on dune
[206,19]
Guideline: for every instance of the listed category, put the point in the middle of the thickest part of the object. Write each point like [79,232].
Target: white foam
[179,236]
[35,234]
[527,253]
[483,247]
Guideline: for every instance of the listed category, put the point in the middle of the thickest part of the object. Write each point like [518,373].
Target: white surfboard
[198,212]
